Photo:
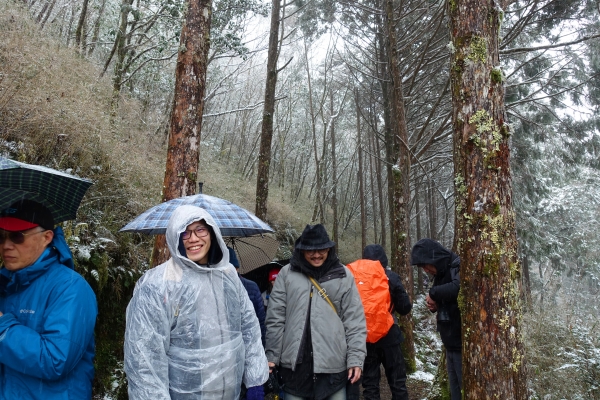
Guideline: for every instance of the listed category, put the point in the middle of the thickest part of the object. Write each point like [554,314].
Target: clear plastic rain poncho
[192,332]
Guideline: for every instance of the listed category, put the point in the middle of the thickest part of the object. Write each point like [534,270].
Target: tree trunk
[96,32]
[432,209]
[401,187]
[70,26]
[266,134]
[186,121]
[334,177]
[361,178]
[371,145]
[381,198]
[42,12]
[390,151]
[493,356]
[317,215]
[80,25]
[527,280]
[47,15]
[419,234]
[119,50]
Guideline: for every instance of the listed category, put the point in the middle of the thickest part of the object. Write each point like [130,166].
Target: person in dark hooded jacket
[386,350]
[444,265]
[253,293]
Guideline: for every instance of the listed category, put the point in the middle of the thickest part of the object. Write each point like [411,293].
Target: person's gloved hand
[255,393]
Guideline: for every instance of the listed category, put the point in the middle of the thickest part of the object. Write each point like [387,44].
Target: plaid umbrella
[231,219]
[60,192]
[253,251]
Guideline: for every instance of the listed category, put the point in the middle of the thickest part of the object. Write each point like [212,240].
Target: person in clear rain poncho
[192,332]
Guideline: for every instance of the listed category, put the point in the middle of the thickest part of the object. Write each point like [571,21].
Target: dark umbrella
[60,192]
[260,275]
[231,219]
[253,251]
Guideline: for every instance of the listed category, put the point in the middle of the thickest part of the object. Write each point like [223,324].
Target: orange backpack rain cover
[372,284]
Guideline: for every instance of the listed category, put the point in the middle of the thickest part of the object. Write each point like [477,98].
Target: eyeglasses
[15,237]
[200,232]
[320,251]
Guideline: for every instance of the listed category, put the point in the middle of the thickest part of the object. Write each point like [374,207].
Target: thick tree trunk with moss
[400,187]
[186,119]
[493,364]
[266,133]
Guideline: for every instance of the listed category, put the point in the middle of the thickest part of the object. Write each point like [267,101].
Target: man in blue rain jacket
[47,311]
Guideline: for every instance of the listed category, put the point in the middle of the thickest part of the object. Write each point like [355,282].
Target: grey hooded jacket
[191,331]
[338,341]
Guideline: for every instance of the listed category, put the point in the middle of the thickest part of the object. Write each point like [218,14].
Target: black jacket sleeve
[400,298]
[447,292]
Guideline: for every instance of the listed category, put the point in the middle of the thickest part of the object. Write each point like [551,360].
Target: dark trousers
[395,371]
[454,367]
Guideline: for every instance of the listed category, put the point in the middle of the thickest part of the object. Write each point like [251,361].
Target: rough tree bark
[493,357]
[266,133]
[188,102]
[401,187]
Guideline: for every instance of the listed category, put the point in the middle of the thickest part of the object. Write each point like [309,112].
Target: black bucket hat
[314,237]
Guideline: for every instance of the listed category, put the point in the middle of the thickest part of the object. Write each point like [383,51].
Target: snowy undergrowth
[563,354]
[428,345]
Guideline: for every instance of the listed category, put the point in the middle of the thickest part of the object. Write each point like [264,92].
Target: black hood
[375,252]
[428,251]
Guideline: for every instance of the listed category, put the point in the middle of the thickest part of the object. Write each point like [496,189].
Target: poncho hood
[184,216]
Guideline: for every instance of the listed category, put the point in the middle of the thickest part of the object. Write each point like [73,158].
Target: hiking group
[192,330]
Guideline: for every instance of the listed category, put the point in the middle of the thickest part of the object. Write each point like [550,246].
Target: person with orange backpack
[382,294]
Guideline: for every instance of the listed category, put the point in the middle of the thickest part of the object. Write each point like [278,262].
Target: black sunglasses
[15,237]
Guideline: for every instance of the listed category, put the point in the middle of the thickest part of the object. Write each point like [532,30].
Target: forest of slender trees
[472,122]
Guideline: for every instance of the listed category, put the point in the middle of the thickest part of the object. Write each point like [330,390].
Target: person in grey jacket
[316,338]
[191,331]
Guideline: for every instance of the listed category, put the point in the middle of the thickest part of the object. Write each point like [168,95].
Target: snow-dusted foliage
[563,351]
